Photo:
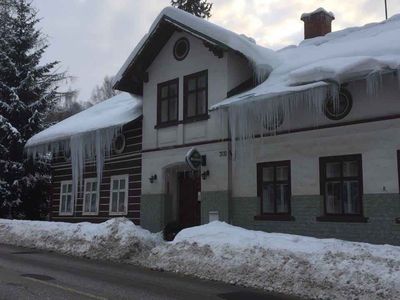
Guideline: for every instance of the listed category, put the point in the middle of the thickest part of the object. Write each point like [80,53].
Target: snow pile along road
[115,239]
[295,265]
[289,264]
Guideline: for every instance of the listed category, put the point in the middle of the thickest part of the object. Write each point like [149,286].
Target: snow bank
[294,265]
[263,59]
[115,239]
[303,266]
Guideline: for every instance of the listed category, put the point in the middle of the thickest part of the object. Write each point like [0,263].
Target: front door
[189,206]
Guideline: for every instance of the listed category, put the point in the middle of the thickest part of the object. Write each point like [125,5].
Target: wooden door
[189,206]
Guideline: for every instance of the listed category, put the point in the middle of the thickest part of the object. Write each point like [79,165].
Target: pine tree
[28,91]
[199,8]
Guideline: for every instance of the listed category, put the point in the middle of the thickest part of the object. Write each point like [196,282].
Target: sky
[93,38]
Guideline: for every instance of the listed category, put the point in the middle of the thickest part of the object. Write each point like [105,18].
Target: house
[99,145]
[303,140]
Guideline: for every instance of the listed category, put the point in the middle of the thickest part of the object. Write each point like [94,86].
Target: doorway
[189,205]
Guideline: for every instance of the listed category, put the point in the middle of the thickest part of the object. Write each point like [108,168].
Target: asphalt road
[31,274]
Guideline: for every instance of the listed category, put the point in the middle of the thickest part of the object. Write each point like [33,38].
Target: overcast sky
[92,38]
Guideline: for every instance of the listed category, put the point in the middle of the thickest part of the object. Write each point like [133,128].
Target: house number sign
[193,159]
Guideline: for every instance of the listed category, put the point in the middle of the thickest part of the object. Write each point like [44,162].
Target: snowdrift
[303,266]
[115,239]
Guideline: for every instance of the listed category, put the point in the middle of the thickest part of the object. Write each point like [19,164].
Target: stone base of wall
[155,211]
[380,228]
[215,201]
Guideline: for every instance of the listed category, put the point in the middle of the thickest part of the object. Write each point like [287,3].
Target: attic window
[336,110]
[119,144]
[181,49]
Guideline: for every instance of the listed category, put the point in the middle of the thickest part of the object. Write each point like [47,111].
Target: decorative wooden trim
[186,94]
[159,87]
[277,217]
[274,164]
[343,218]
[322,175]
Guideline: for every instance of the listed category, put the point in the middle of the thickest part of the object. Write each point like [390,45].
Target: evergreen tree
[28,91]
[199,8]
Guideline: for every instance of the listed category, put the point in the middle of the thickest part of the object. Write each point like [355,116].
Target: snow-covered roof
[263,59]
[114,112]
[341,56]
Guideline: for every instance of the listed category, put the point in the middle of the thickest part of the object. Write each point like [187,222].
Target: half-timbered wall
[126,163]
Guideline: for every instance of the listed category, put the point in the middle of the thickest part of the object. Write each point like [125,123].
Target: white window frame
[71,213]
[126,190]
[90,180]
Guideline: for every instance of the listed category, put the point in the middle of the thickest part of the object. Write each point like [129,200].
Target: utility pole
[386,13]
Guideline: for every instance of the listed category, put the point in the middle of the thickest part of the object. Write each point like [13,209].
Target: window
[66,199]
[341,184]
[181,49]
[168,102]
[119,195]
[195,96]
[119,143]
[336,110]
[90,197]
[274,187]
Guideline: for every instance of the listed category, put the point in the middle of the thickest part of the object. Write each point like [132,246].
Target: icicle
[374,83]
[92,145]
[259,118]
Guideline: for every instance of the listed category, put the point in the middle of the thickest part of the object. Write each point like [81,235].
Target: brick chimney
[317,23]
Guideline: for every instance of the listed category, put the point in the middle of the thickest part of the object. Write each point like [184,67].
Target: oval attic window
[336,110]
[119,144]
[181,48]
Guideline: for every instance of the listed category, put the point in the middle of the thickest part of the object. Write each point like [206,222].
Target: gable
[131,76]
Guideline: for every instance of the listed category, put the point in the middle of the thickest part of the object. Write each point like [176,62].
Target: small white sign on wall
[213,216]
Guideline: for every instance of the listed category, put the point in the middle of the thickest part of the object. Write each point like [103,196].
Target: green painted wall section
[380,209]
[215,201]
[155,212]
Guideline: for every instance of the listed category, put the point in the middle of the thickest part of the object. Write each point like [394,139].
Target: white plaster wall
[378,143]
[239,70]
[165,68]
[157,162]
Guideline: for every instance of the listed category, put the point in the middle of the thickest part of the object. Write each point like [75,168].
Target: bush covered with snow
[304,266]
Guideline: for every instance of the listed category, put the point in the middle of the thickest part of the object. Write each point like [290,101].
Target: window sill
[90,214]
[118,214]
[164,125]
[195,119]
[65,214]
[274,218]
[344,219]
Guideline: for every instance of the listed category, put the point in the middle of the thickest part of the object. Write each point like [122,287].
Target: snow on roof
[341,56]
[263,59]
[114,112]
[318,10]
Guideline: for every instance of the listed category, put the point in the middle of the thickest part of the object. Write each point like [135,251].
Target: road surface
[31,274]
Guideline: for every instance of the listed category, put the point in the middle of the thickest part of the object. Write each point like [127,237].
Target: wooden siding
[128,162]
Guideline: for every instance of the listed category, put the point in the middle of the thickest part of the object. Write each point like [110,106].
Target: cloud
[92,38]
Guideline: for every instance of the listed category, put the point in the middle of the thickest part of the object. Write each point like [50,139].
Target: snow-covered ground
[290,264]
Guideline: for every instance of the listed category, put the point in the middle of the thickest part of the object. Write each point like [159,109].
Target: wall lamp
[205,174]
[153,178]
